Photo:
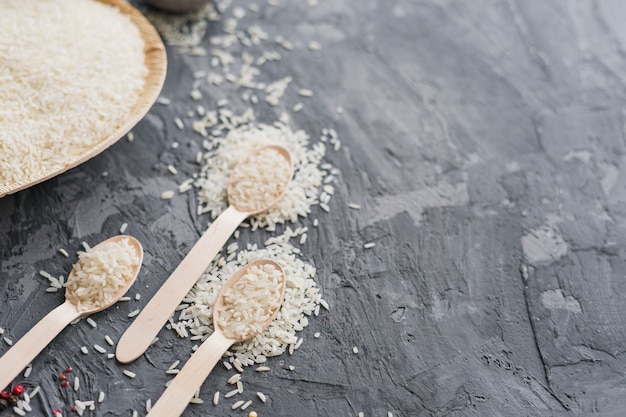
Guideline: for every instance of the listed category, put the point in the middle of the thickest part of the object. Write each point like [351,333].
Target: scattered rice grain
[166,195]
[231,393]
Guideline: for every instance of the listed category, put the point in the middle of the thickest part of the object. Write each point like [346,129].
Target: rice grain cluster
[302,299]
[251,302]
[259,181]
[70,72]
[100,273]
[303,191]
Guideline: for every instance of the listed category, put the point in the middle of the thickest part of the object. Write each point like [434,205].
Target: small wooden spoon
[175,398]
[154,315]
[36,339]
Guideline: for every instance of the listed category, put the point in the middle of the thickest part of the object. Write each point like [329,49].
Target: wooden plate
[156,62]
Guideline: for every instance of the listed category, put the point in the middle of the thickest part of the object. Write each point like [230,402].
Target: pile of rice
[251,302]
[100,273]
[307,186]
[70,72]
[302,299]
[259,181]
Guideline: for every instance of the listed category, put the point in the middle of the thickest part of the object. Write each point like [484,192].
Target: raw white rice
[251,302]
[57,101]
[314,46]
[148,405]
[355,350]
[64,252]
[305,92]
[99,348]
[234,406]
[261,396]
[369,245]
[129,374]
[303,191]
[133,313]
[231,393]
[246,404]
[262,368]
[123,228]
[91,322]
[234,379]
[101,396]
[100,273]
[166,195]
[302,297]
[84,349]
[216,398]
[260,181]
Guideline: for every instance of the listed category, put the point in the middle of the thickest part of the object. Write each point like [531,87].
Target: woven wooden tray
[156,62]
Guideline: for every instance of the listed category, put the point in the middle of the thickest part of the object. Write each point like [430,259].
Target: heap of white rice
[259,181]
[100,273]
[251,302]
[70,72]
[302,298]
[303,191]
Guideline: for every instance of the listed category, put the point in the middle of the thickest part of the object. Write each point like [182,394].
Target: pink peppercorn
[18,390]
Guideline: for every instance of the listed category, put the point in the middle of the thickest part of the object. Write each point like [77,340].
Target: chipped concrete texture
[543,244]
[485,144]
[554,299]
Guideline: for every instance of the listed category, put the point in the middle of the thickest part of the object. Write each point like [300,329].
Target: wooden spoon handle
[28,347]
[154,315]
[190,378]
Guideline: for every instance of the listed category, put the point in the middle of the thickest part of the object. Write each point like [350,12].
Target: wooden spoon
[154,315]
[28,347]
[174,400]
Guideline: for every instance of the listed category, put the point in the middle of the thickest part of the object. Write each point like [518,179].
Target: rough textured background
[484,141]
